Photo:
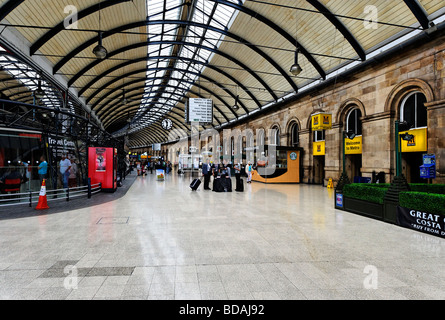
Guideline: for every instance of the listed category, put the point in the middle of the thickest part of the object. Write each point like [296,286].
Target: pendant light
[100,51]
[296,69]
[236,106]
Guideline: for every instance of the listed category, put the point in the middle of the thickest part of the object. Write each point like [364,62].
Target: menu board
[199,110]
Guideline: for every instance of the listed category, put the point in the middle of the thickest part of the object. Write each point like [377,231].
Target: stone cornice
[435,104]
[378,116]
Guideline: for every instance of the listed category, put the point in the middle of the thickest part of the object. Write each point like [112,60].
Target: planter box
[364,208]
[390,211]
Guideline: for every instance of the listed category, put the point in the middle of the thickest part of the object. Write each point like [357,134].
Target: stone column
[436,136]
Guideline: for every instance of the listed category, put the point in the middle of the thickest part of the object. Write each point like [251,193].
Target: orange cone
[43,203]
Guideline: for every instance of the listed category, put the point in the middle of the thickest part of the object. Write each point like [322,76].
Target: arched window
[353,122]
[260,137]
[294,135]
[413,110]
[275,135]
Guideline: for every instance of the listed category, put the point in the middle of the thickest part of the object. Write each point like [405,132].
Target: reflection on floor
[160,240]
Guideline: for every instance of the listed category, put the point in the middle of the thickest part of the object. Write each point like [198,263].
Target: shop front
[278,164]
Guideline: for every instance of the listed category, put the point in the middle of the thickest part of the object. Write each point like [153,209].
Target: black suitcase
[195,184]
[240,186]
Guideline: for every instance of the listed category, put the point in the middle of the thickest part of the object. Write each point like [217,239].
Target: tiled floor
[162,241]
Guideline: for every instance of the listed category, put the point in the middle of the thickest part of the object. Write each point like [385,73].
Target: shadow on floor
[23,211]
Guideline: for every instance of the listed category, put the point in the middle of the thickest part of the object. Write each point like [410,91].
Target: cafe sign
[433,224]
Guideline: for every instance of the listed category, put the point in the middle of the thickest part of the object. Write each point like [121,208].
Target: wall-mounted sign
[199,110]
[293,156]
[319,148]
[353,146]
[321,121]
[418,143]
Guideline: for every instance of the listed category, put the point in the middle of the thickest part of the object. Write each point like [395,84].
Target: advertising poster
[100,160]
[432,224]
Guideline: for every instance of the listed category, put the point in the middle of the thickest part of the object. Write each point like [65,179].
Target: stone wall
[377,91]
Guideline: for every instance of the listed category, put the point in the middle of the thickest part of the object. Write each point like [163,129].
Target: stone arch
[289,125]
[347,106]
[398,93]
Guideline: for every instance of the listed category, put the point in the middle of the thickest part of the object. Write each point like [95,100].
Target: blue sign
[428,169]
[339,200]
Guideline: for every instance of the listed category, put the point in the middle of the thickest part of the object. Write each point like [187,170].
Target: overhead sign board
[199,110]
[321,121]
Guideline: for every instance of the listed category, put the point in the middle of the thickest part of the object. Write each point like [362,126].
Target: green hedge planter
[373,193]
[368,200]
[422,201]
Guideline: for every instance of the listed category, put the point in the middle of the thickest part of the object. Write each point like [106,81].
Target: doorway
[353,166]
[411,161]
[319,172]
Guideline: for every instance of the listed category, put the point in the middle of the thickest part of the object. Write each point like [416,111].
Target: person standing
[72,179]
[65,166]
[42,169]
[206,172]
[249,172]
[239,186]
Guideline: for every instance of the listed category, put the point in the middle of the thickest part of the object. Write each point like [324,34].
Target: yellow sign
[321,121]
[418,143]
[353,146]
[330,184]
[319,148]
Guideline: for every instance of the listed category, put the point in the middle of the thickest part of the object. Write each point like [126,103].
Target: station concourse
[269,242]
[317,125]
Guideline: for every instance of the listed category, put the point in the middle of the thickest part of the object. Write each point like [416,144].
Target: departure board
[199,110]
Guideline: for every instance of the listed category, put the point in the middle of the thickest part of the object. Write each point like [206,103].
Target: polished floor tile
[158,240]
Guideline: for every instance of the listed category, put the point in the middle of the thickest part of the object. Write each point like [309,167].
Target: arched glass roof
[162,52]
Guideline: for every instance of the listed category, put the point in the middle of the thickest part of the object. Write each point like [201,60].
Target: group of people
[222,176]
[143,168]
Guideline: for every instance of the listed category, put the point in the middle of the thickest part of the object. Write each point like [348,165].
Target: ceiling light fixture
[235,106]
[100,51]
[296,69]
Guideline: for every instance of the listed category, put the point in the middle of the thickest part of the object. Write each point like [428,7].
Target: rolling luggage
[240,186]
[195,184]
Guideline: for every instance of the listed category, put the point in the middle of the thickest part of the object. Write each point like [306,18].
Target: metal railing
[32,197]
